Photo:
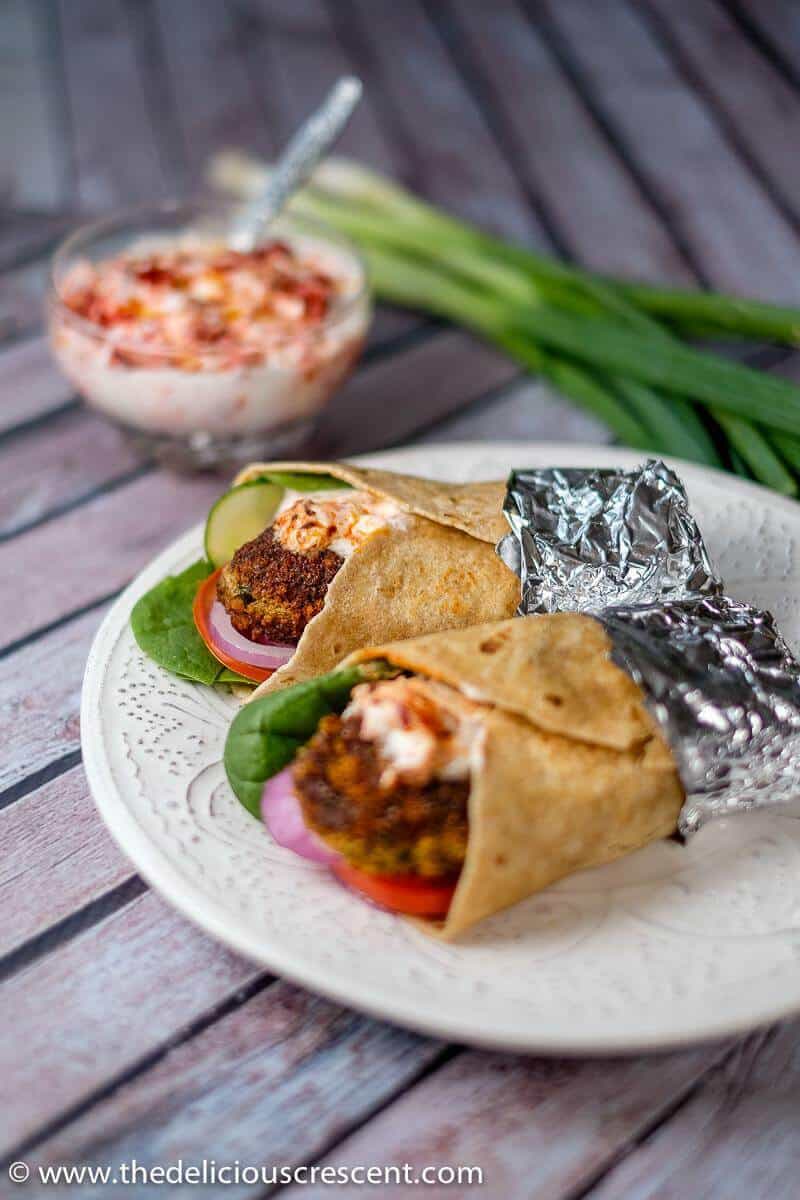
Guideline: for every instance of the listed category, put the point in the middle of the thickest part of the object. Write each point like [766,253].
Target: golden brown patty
[389,831]
[270,593]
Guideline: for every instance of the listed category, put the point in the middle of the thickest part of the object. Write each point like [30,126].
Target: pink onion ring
[256,654]
[283,817]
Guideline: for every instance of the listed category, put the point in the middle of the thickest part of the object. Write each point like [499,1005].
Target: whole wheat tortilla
[475,508]
[571,770]
[439,571]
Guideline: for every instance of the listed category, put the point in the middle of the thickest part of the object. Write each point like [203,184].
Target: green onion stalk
[349,183]
[415,285]
[612,346]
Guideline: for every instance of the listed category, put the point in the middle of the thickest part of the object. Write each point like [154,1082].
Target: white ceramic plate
[669,946]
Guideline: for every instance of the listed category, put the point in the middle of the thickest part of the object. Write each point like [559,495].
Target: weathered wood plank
[31,171]
[199,44]
[733,230]
[298,46]
[507,60]
[27,239]
[761,108]
[526,410]
[29,233]
[31,385]
[22,292]
[269,69]
[543,129]
[97,548]
[46,468]
[293,58]
[56,857]
[40,691]
[115,151]
[457,162]
[590,197]
[789,367]
[274,1082]
[388,400]
[92,1009]
[736,1135]
[536,1127]
[778,24]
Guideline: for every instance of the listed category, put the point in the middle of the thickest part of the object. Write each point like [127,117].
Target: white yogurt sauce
[291,384]
[335,520]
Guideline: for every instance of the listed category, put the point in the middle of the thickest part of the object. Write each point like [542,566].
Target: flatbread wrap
[452,775]
[409,556]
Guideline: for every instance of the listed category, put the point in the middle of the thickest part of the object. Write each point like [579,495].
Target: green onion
[603,343]
[738,465]
[755,450]
[748,448]
[710,313]
[352,184]
[676,427]
[787,446]
[614,346]
[670,365]
[415,285]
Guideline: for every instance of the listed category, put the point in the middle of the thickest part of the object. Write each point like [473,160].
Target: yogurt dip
[338,521]
[184,335]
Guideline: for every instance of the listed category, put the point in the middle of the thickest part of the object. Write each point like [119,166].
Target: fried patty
[397,830]
[270,593]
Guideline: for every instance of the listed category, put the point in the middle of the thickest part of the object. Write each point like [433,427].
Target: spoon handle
[308,145]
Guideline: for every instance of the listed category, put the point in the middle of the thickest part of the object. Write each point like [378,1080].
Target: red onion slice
[283,817]
[268,655]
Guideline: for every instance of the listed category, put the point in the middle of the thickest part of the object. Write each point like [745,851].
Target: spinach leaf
[305,482]
[267,734]
[164,628]
[226,675]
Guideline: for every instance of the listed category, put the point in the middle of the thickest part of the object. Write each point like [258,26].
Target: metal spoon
[310,144]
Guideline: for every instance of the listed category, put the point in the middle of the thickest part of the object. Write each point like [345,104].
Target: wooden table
[657,138]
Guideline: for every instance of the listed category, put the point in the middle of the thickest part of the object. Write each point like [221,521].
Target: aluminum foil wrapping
[623,547]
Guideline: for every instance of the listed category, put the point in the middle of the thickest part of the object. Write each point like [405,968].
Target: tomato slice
[412,895]
[204,598]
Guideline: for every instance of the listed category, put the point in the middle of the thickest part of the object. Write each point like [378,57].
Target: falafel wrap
[384,556]
[306,562]
[452,775]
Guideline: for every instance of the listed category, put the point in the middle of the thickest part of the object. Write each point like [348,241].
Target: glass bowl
[209,413]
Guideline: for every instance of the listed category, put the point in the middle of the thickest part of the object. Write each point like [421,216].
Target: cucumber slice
[239,516]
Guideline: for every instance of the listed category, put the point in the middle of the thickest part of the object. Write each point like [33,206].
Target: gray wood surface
[719,210]
[649,137]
